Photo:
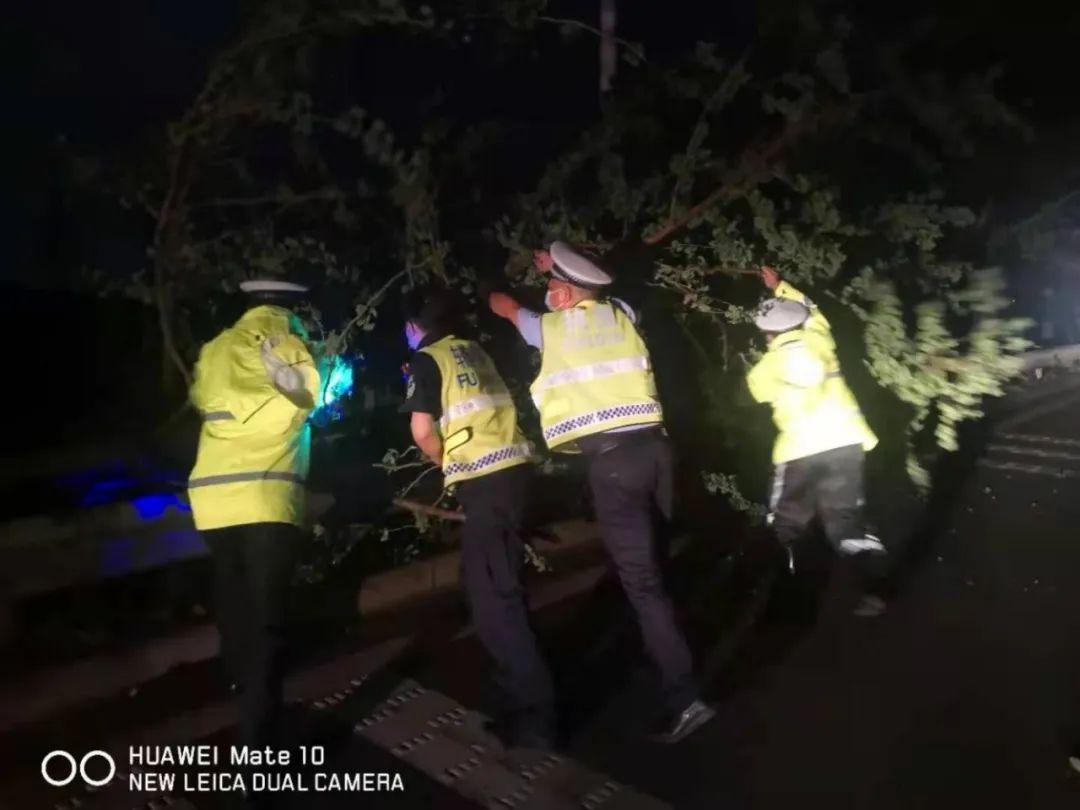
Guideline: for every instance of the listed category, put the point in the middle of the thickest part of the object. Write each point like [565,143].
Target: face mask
[555,300]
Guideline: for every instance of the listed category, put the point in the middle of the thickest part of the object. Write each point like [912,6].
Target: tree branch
[755,167]
[371,302]
[165,233]
[432,511]
[284,199]
[630,46]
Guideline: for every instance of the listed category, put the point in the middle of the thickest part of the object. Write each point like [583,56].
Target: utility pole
[608,54]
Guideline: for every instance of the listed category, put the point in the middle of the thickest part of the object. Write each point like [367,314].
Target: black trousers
[253,567]
[492,557]
[827,486]
[632,486]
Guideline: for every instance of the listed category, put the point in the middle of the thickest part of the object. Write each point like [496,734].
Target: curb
[47,692]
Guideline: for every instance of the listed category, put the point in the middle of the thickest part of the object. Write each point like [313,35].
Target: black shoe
[532,739]
[685,723]
[521,733]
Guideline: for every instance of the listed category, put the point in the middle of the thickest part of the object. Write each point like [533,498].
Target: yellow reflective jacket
[255,441]
[479,422]
[595,375]
[800,377]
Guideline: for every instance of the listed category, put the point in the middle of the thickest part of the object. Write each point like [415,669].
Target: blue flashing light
[111,483]
[151,507]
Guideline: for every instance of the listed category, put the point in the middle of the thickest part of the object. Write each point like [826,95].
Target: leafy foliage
[817,152]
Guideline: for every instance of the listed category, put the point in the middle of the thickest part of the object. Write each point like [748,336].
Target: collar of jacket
[432,337]
[787,338]
[265,314]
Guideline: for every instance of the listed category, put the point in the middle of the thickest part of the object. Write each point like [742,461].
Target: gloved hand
[543,261]
[285,378]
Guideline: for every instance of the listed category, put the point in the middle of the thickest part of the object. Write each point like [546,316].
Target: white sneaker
[858,545]
[869,607]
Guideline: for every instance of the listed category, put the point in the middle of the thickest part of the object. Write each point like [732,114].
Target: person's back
[595,393]
[822,438]
[799,375]
[595,374]
[478,420]
[255,385]
[463,418]
[254,445]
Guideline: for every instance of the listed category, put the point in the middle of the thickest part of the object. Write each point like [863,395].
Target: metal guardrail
[1056,356]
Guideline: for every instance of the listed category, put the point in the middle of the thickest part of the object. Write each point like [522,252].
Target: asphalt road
[963,695]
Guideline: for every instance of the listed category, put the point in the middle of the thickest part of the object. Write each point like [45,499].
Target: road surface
[962,695]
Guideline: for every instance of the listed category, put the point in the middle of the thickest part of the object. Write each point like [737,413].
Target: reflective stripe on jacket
[479,422]
[595,375]
[255,442]
[800,377]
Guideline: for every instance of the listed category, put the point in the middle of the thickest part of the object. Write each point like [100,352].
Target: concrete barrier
[442,572]
[46,553]
[48,691]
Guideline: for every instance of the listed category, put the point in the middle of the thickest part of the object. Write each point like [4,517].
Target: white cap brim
[780,315]
[573,268]
[272,285]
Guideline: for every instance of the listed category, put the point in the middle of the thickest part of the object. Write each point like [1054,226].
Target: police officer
[596,395]
[819,452]
[255,384]
[464,420]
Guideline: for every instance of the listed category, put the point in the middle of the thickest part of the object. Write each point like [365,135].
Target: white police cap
[271,285]
[780,315]
[573,268]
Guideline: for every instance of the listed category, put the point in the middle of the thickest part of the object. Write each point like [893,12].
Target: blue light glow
[115,482]
[338,384]
[151,507]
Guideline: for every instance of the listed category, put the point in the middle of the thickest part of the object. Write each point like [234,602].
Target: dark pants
[632,486]
[828,486]
[253,567]
[492,556]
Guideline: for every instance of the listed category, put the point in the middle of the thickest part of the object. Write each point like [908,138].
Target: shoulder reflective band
[484,402]
[232,478]
[217,416]
[592,371]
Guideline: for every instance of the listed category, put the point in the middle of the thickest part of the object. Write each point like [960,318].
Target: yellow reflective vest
[595,375]
[255,442]
[478,426]
[800,377]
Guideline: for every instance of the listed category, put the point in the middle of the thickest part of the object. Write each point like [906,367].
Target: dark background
[100,79]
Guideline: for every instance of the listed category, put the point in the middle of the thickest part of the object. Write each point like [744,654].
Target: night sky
[103,80]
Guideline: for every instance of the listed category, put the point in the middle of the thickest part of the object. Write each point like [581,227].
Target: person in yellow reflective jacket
[822,436]
[255,384]
[464,420]
[596,395]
